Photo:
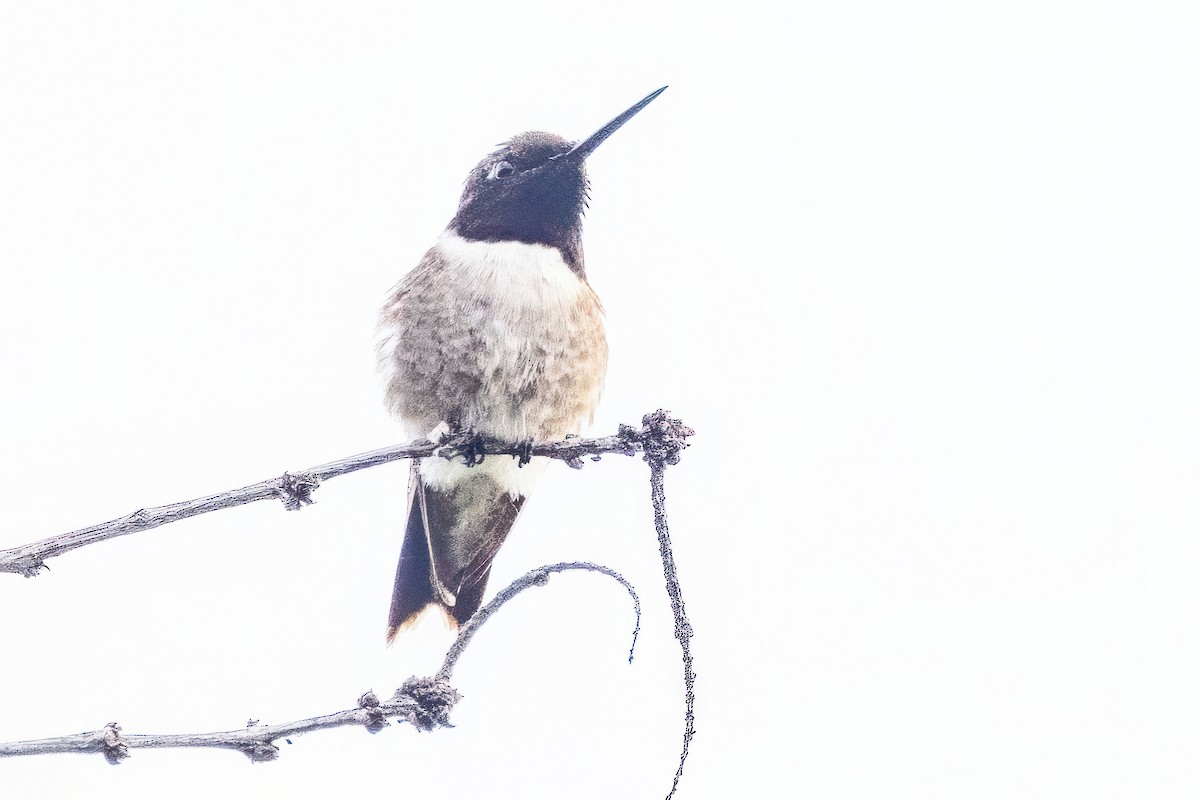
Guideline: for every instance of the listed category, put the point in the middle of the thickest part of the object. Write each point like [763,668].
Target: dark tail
[452,535]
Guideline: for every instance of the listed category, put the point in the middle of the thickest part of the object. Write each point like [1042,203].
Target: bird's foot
[462,444]
[526,452]
[474,448]
[441,434]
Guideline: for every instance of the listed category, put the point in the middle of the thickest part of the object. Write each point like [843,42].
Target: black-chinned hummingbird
[495,331]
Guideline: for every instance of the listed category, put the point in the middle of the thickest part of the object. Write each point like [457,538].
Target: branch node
[629,437]
[375,721]
[663,438]
[296,490]
[425,703]
[259,751]
[29,566]
[112,744]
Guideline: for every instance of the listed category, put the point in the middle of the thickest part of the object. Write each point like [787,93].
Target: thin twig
[683,628]
[295,489]
[663,446]
[422,702]
[535,577]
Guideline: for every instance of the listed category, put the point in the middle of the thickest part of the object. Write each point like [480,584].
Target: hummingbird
[495,332]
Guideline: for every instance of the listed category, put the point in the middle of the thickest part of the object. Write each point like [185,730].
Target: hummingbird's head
[534,190]
[526,192]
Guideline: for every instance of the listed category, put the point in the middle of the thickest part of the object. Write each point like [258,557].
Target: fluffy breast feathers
[501,337]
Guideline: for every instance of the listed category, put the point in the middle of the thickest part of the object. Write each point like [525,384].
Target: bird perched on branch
[495,332]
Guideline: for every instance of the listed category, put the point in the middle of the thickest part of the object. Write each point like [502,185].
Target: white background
[923,277]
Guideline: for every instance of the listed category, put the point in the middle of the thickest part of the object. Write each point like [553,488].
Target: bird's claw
[467,445]
[526,452]
[474,448]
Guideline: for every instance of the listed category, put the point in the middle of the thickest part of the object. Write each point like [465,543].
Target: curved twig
[535,577]
[422,702]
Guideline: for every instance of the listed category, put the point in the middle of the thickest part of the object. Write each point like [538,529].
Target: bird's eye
[501,169]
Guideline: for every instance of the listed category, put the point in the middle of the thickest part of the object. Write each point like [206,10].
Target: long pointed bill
[588,145]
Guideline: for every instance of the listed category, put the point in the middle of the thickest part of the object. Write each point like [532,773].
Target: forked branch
[422,702]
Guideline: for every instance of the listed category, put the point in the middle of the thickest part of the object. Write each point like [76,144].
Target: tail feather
[452,535]
[413,591]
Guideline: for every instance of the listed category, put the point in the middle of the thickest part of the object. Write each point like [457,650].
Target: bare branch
[535,577]
[422,702]
[295,489]
[665,439]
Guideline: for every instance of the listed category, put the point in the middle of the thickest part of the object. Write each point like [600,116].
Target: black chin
[542,206]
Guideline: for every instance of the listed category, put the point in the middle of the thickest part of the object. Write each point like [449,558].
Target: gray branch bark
[423,702]
[295,488]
